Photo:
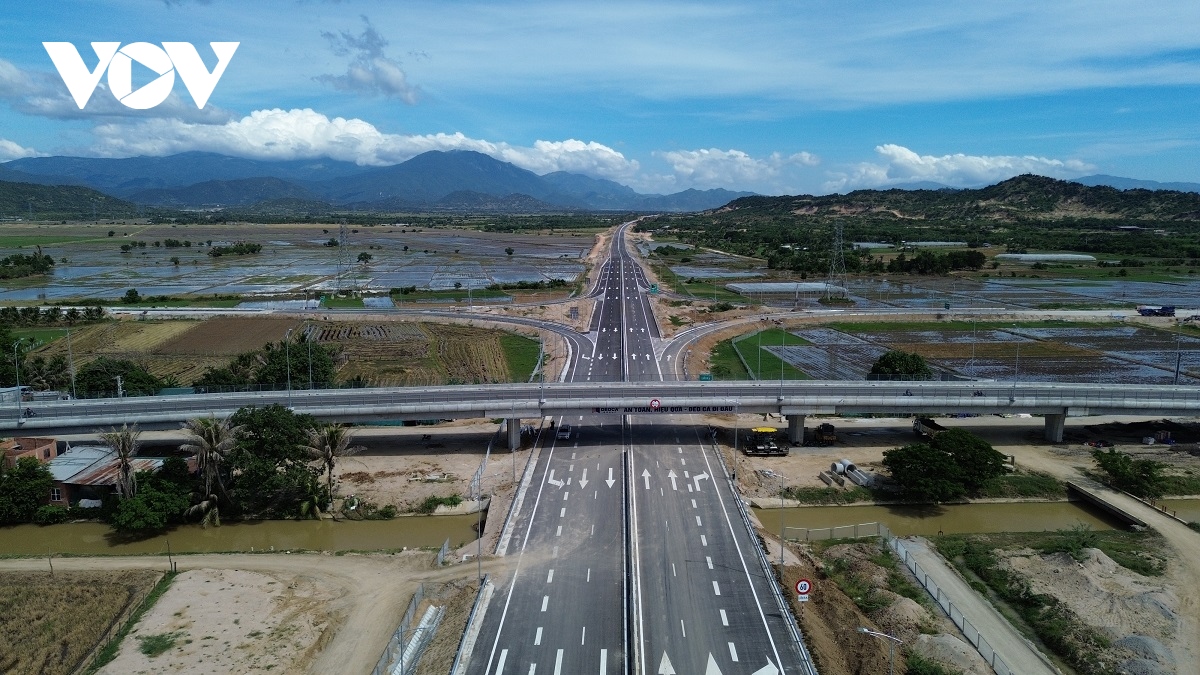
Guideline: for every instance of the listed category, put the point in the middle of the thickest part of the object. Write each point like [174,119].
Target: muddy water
[283,535]
[952,519]
[1188,509]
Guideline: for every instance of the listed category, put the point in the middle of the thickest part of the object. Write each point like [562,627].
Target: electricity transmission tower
[837,265]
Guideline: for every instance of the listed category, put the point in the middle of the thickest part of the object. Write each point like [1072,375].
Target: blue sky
[775,97]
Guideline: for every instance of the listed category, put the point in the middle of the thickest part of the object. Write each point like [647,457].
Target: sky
[788,97]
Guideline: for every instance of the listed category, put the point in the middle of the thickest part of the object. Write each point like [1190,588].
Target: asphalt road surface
[678,591]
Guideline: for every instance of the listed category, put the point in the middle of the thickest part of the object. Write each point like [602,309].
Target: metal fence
[969,631]
[442,553]
[394,651]
[838,532]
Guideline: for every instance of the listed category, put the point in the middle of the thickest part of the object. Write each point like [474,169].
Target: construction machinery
[825,434]
[923,426]
[761,442]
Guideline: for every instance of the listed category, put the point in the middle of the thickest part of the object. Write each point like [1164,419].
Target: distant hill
[124,177]
[222,193]
[1136,184]
[205,180]
[1020,198]
[17,200]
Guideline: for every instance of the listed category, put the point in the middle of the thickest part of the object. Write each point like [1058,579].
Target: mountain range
[436,180]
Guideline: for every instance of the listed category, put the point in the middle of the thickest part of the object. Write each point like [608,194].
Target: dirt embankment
[830,618]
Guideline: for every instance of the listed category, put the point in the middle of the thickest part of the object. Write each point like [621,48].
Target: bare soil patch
[49,624]
[227,336]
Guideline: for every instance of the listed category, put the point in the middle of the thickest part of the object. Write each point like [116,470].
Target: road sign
[802,588]
[654,404]
[653,288]
[706,377]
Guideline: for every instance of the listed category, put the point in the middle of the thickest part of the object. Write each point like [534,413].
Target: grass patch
[1179,485]
[50,624]
[452,295]
[828,495]
[724,363]
[521,355]
[865,596]
[1053,623]
[342,303]
[431,503]
[708,291]
[754,354]
[966,326]
[1032,484]
[897,582]
[43,336]
[915,664]
[109,652]
[156,645]
[22,240]
[224,303]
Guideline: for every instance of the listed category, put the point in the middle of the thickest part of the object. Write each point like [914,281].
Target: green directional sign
[706,377]
[653,288]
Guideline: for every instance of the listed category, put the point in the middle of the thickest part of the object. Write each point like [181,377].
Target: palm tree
[327,443]
[209,441]
[124,442]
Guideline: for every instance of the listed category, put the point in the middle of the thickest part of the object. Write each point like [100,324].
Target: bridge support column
[795,428]
[1055,424]
[514,433]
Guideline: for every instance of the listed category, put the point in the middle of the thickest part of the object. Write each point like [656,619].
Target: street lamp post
[781,528]
[892,642]
[17,367]
[287,355]
[308,340]
[71,363]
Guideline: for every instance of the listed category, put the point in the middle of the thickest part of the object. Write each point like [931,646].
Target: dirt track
[369,592]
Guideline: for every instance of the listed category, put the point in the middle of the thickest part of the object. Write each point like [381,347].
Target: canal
[280,535]
[949,519]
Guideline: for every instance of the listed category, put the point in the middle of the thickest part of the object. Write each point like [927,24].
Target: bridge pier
[796,429]
[514,433]
[1055,424]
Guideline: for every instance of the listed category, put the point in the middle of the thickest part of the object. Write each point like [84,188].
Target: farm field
[48,625]
[379,353]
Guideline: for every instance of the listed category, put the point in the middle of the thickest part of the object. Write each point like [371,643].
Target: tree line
[262,462]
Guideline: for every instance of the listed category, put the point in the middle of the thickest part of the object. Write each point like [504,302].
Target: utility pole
[287,355]
[17,366]
[71,363]
[120,389]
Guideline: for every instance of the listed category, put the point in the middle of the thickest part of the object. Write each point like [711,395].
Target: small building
[41,449]
[90,472]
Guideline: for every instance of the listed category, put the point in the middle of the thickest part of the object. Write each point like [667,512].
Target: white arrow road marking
[768,669]
[555,483]
[664,666]
[610,480]
[647,357]
[712,668]
[699,477]
[646,477]
[583,481]
[672,475]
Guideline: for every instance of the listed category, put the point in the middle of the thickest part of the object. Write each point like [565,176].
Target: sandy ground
[329,614]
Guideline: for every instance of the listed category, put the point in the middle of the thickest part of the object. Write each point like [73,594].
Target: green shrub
[51,515]
[430,505]
[915,664]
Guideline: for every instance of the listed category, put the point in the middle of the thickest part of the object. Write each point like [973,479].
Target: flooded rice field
[1100,354]
[294,259]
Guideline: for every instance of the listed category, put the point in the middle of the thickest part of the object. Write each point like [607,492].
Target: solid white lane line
[537,639]
[603,660]
[583,637]
[550,577]
[546,599]
[682,628]
[558,663]
[709,561]
[733,652]
[703,540]
[716,591]
[500,665]
[724,619]
[589,575]
[673,573]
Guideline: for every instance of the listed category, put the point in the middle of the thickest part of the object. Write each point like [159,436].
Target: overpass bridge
[793,399]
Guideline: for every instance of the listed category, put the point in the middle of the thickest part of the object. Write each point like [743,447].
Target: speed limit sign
[802,588]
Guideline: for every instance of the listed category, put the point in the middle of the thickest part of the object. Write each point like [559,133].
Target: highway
[681,589]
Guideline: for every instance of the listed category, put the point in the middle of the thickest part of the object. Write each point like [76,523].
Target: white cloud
[306,134]
[712,167]
[10,150]
[370,70]
[901,165]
